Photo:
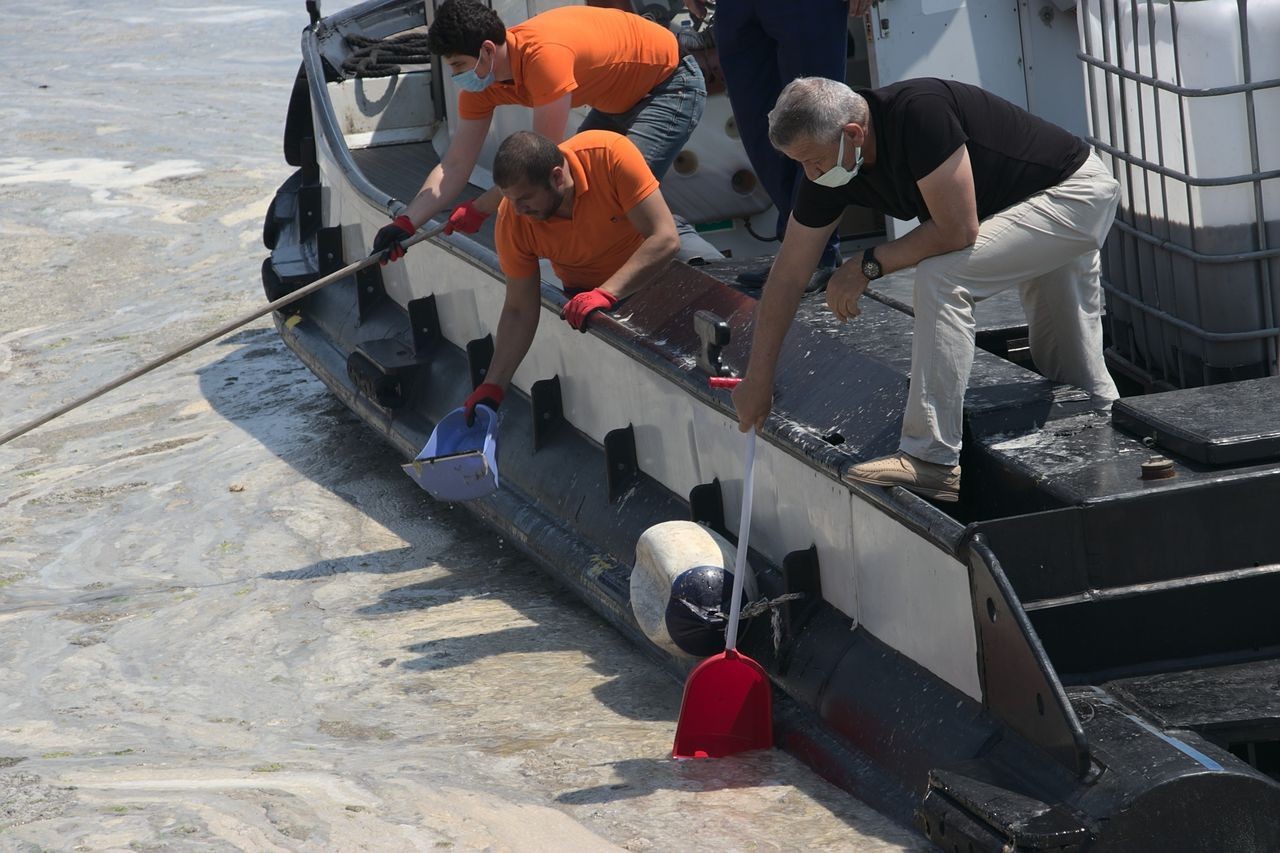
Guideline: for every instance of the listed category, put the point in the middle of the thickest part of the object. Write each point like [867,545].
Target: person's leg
[1064,306]
[942,347]
[1064,326]
[749,59]
[763,45]
[663,120]
[812,39]
[1030,240]
[659,125]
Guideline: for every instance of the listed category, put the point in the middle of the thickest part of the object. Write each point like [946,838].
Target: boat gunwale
[932,524]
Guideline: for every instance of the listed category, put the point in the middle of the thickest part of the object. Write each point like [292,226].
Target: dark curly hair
[461,26]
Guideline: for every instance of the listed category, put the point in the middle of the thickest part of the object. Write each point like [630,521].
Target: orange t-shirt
[607,58]
[610,177]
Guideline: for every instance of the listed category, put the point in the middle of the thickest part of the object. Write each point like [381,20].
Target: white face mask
[838,175]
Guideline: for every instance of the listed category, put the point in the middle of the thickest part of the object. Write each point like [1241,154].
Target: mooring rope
[760,605]
[383,57]
[716,616]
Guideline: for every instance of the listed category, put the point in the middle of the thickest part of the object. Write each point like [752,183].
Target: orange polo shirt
[610,177]
[607,58]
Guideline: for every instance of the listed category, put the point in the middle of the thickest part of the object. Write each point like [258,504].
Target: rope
[760,605]
[383,57]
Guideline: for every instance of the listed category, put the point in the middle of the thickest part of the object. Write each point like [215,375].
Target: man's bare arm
[797,259]
[447,180]
[550,120]
[652,218]
[516,327]
[801,249]
[949,194]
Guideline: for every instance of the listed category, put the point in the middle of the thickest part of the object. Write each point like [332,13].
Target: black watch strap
[870,266]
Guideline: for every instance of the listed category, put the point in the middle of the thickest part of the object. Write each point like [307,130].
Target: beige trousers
[1048,246]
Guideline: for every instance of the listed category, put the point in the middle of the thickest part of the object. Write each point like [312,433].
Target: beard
[554,200]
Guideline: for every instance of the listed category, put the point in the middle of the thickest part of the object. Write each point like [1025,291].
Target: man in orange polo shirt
[627,68]
[590,206]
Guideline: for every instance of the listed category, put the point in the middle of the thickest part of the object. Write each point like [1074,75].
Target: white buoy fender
[663,552]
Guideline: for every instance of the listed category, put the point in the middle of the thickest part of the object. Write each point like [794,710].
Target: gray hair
[814,108]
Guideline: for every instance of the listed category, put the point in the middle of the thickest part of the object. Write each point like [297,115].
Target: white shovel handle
[227,328]
[744,528]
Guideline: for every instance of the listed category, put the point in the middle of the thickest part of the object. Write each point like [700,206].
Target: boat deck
[1049,483]
[400,170]
[1031,445]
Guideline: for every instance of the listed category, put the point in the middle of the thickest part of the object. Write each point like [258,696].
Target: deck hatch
[1215,424]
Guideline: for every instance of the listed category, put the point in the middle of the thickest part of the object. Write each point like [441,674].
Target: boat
[1079,655]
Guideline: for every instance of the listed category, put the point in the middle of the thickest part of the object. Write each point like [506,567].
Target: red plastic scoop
[728,704]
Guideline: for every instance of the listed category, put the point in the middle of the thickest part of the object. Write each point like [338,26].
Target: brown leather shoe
[940,482]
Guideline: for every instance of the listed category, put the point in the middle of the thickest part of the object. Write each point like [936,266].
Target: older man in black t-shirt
[1004,198]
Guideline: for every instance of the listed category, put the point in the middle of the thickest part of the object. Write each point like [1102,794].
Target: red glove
[465,218]
[389,238]
[579,308]
[486,392]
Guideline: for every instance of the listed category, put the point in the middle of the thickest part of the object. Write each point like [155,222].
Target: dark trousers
[763,46]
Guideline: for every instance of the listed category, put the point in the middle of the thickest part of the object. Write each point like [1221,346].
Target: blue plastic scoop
[459,462]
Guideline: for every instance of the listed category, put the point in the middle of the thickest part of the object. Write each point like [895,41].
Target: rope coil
[383,57]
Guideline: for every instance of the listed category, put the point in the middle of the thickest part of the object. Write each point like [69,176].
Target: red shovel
[728,705]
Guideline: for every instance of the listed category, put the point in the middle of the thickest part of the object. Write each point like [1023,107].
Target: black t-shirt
[918,124]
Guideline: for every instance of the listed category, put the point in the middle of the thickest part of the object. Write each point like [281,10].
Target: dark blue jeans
[661,122]
[763,46]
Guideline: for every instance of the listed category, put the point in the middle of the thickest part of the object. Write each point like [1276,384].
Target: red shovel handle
[729,382]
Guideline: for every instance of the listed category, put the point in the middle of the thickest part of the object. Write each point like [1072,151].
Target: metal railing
[1116,98]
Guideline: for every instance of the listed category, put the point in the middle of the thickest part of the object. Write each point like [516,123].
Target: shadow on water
[261,387]
[644,776]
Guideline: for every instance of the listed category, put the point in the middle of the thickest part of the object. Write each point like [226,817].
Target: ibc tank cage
[1184,95]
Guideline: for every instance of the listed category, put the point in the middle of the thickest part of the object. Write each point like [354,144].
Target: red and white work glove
[580,308]
[486,392]
[389,239]
[466,218]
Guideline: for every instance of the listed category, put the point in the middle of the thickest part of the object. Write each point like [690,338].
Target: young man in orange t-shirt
[590,206]
[627,68]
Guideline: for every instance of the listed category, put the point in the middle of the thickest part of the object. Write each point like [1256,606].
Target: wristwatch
[870,266]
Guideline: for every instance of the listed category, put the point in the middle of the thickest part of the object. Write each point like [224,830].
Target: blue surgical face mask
[470,81]
[838,175]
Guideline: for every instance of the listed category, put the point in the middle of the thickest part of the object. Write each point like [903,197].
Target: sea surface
[227,620]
